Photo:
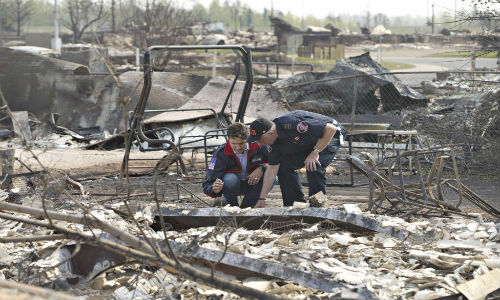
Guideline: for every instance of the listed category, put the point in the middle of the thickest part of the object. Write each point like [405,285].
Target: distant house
[311,35]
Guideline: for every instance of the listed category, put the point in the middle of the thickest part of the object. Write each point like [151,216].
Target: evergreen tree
[249,17]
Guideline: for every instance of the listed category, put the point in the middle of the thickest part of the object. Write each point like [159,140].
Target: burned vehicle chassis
[138,134]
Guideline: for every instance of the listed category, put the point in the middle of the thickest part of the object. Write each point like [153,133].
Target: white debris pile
[388,267]
[359,260]
[462,82]
[252,39]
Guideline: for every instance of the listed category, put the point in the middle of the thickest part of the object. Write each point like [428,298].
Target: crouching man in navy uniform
[237,168]
[297,139]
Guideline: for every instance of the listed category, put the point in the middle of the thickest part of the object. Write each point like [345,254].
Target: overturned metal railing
[427,194]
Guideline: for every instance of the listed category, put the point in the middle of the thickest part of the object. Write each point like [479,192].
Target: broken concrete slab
[254,218]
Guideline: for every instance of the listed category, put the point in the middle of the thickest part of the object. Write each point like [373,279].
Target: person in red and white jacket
[237,168]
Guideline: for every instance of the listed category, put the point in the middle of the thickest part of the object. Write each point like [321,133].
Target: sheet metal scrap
[265,268]
[402,198]
[255,218]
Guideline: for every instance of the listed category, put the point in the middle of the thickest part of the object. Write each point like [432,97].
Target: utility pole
[1,24]
[113,16]
[455,19]
[498,59]
[379,50]
[432,18]
[368,14]
[55,43]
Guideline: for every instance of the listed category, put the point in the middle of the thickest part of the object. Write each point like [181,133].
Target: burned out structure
[82,99]
[333,36]
[416,229]
[310,36]
[374,88]
[44,85]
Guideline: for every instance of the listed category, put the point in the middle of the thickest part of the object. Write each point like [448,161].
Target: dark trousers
[233,187]
[289,178]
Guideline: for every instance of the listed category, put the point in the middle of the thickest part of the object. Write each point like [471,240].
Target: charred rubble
[358,80]
[416,230]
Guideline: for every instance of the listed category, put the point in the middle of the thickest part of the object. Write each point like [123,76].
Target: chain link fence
[385,112]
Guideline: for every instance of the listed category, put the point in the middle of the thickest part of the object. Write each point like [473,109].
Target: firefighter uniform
[226,166]
[298,132]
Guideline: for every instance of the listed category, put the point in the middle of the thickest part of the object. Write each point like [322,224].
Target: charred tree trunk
[82,14]
[18,19]
[113,24]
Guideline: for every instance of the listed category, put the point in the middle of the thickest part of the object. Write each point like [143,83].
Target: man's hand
[260,204]
[255,176]
[217,186]
[311,160]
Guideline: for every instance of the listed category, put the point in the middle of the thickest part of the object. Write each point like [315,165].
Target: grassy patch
[327,64]
[396,65]
[484,54]
[307,60]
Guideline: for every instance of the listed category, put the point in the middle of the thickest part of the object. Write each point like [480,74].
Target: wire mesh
[411,110]
[407,110]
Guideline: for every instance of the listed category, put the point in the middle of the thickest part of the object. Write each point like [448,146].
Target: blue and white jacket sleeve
[215,170]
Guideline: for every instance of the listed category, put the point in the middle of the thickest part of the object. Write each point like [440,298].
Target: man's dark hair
[237,130]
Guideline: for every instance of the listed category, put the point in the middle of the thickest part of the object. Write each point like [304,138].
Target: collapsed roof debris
[260,40]
[374,261]
[406,240]
[289,258]
[357,78]
[42,86]
[189,117]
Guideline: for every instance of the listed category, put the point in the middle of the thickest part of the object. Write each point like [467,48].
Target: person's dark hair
[237,130]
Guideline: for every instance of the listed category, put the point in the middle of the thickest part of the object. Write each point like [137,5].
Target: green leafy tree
[43,13]
[200,12]
[216,12]
[249,17]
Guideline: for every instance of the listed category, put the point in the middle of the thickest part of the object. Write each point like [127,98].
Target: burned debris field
[103,163]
